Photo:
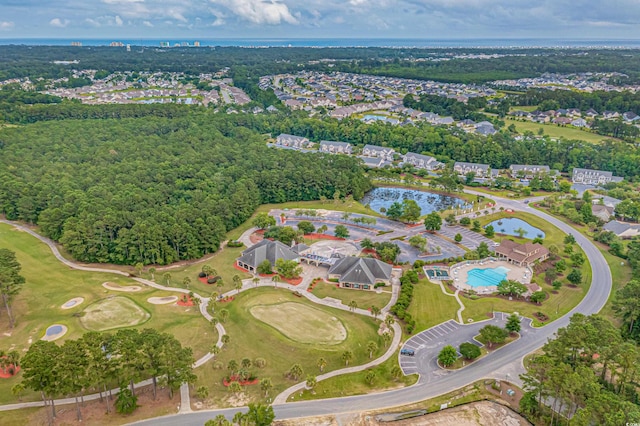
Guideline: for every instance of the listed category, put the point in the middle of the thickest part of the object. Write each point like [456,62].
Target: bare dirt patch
[302,323]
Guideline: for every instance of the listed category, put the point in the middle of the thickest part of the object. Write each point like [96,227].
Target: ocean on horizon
[343,42]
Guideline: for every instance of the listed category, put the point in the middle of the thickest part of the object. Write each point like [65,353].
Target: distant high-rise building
[128,48]
[76,43]
[196,43]
[164,44]
[116,44]
[184,44]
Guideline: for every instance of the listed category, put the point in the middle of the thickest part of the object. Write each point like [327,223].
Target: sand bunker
[54,332]
[116,287]
[162,300]
[72,303]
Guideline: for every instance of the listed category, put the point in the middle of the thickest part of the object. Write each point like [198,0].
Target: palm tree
[214,321]
[375,311]
[152,271]
[224,315]
[372,347]
[220,283]
[167,278]
[232,366]
[386,336]
[276,280]
[186,282]
[237,283]
[17,390]
[353,305]
[322,363]
[214,296]
[266,385]
[389,320]
[255,281]
[311,382]
[225,338]
[235,388]
[347,356]
[246,363]
[296,371]
[139,267]
[521,232]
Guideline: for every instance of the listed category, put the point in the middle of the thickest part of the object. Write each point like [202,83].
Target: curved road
[429,387]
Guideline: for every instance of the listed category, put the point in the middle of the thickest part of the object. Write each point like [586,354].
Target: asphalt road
[429,387]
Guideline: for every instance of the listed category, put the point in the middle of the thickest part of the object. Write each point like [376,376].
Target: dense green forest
[588,374]
[600,101]
[154,190]
[38,61]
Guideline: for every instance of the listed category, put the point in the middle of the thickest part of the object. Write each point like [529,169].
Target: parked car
[408,352]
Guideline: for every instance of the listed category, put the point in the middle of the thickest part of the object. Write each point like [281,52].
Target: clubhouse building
[521,254]
[361,273]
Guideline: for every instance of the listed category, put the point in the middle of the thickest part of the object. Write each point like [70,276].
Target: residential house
[378,152]
[623,229]
[480,170]
[591,113]
[521,254]
[360,272]
[527,171]
[610,114]
[269,250]
[602,212]
[630,116]
[593,177]
[420,161]
[335,147]
[373,162]
[563,121]
[297,142]
[580,122]
[485,128]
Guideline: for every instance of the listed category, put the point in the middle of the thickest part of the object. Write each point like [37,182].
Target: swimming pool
[486,277]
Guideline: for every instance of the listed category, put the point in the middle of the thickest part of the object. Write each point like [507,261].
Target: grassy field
[430,306]
[113,312]
[507,193]
[356,384]
[557,303]
[312,325]
[250,338]
[49,284]
[556,131]
[364,299]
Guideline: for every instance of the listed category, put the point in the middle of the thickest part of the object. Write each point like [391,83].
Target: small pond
[53,330]
[428,201]
[511,224]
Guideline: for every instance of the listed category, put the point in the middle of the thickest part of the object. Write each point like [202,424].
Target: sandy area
[116,287]
[72,303]
[52,337]
[484,413]
[162,300]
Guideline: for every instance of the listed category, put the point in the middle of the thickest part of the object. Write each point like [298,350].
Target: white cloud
[147,24]
[270,12]
[6,25]
[59,23]
[92,22]
[118,21]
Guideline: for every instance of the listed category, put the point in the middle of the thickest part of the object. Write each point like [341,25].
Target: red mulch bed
[203,280]
[413,225]
[181,302]
[267,275]
[226,299]
[316,236]
[242,382]
[235,265]
[292,281]
[259,232]
[5,374]
[256,238]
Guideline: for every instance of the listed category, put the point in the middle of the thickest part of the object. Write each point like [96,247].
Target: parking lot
[470,239]
[428,339]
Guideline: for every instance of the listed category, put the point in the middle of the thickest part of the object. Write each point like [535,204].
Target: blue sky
[430,19]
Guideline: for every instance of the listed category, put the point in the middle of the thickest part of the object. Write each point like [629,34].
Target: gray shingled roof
[619,227]
[269,250]
[361,270]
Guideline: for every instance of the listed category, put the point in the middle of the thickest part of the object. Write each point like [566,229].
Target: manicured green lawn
[430,306]
[507,193]
[222,261]
[364,299]
[556,131]
[252,338]
[356,384]
[557,304]
[621,275]
[49,284]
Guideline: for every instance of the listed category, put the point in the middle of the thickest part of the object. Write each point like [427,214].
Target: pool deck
[515,273]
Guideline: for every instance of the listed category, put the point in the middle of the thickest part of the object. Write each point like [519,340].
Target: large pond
[511,225]
[428,201]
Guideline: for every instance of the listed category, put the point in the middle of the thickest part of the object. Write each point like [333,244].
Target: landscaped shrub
[404,300]
[235,244]
[377,285]
[333,280]
[260,362]
[202,275]
[213,280]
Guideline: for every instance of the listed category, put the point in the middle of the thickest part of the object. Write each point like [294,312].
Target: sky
[415,19]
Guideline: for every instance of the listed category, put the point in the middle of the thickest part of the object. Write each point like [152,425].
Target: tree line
[97,362]
[155,190]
